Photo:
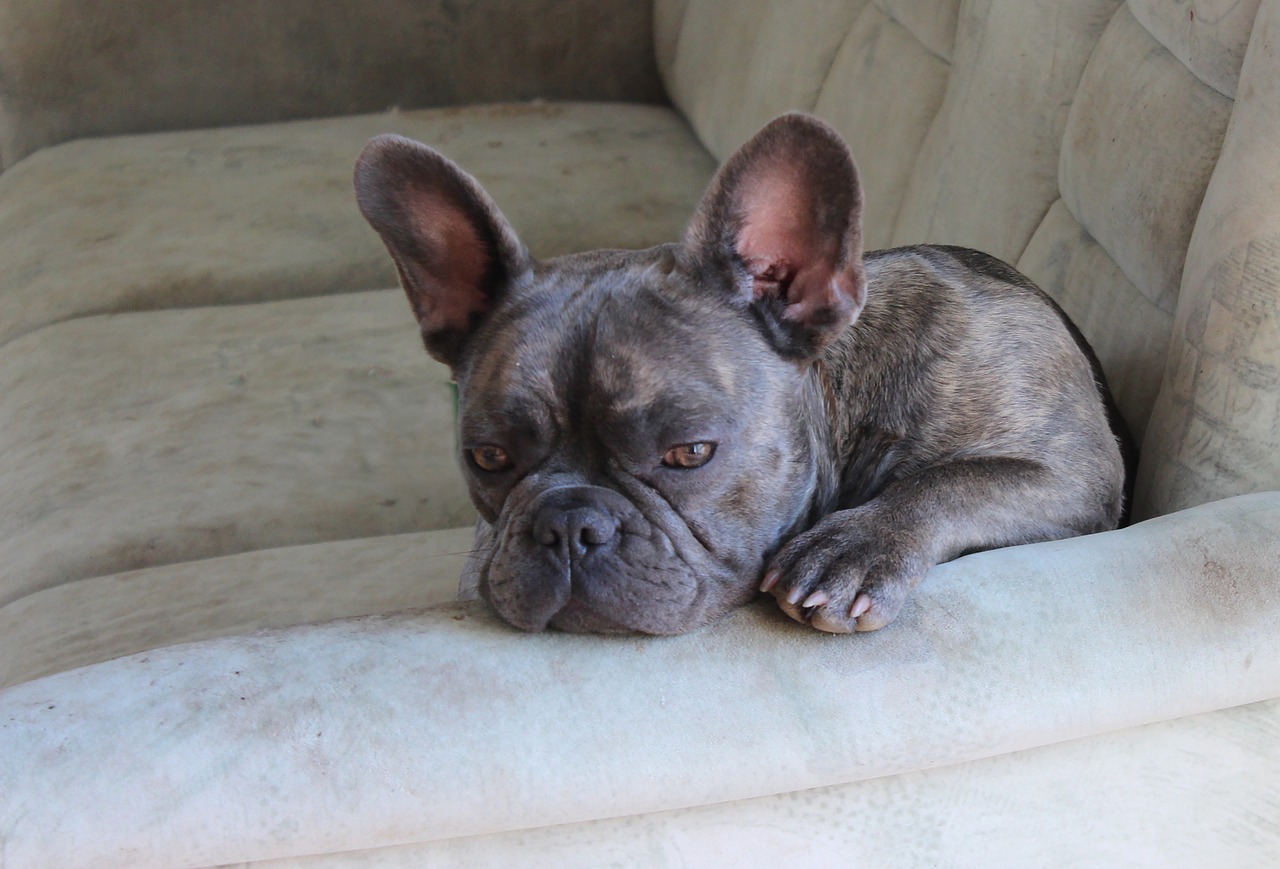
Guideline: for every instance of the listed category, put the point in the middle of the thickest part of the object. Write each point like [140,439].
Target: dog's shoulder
[957,296]
[957,352]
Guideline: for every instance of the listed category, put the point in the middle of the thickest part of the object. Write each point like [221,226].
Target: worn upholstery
[101,617]
[1216,424]
[263,745]
[218,428]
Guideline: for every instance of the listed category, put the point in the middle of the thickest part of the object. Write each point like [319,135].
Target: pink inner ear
[781,243]
[452,286]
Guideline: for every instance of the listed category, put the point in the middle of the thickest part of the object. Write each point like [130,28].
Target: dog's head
[637,427]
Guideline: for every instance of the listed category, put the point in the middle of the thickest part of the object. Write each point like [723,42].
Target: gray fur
[871,416]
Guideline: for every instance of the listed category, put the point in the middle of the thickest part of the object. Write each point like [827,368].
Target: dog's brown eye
[490,458]
[689,455]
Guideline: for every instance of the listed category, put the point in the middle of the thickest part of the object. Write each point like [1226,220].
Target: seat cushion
[266,212]
[151,438]
[105,617]
[1088,802]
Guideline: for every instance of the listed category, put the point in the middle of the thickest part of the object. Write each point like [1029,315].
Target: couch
[232,525]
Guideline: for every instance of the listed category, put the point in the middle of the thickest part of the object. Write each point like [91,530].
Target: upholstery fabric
[1111,251]
[1141,115]
[1171,794]
[987,172]
[1215,429]
[934,24]
[261,746]
[100,618]
[668,19]
[730,76]
[1208,36]
[245,214]
[170,436]
[862,97]
[76,68]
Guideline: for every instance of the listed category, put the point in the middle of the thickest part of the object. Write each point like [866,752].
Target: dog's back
[957,355]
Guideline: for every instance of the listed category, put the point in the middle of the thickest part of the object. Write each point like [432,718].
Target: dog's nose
[576,531]
[573,524]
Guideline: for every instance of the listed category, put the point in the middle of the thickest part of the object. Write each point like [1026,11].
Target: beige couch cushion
[1111,250]
[1208,36]
[885,124]
[167,436]
[739,65]
[252,213]
[668,20]
[104,617]
[1139,118]
[987,173]
[1186,793]
[1215,430]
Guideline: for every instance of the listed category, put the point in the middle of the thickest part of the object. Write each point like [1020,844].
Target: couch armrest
[442,722]
[81,68]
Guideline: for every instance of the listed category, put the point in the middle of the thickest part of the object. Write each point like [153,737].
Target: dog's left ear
[781,222]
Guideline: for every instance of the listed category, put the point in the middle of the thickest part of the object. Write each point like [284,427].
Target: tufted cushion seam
[1111,253]
[1079,194]
[1202,41]
[888,13]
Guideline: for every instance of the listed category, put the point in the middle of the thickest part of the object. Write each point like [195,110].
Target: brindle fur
[959,410]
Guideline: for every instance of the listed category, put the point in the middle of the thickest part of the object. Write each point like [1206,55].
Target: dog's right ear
[781,227]
[454,250]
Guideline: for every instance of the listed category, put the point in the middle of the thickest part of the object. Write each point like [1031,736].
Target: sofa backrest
[76,68]
[1073,138]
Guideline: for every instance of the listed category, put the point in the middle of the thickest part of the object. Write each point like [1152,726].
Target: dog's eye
[489,457]
[689,455]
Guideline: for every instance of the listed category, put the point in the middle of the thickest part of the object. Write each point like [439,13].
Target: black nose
[573,523]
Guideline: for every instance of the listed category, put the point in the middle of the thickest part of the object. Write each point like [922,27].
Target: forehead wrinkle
[612,335]
[627,380]
[636,369]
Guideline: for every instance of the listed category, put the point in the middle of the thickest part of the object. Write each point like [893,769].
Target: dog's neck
[819,413]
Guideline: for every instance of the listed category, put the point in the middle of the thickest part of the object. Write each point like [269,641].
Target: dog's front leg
[854,569]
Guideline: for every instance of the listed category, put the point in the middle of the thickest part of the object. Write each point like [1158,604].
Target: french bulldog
[653,437]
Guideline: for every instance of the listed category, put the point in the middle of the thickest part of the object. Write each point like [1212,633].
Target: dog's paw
[850,572]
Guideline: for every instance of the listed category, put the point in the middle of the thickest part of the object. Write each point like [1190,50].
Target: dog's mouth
[576,617]
[638,592]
